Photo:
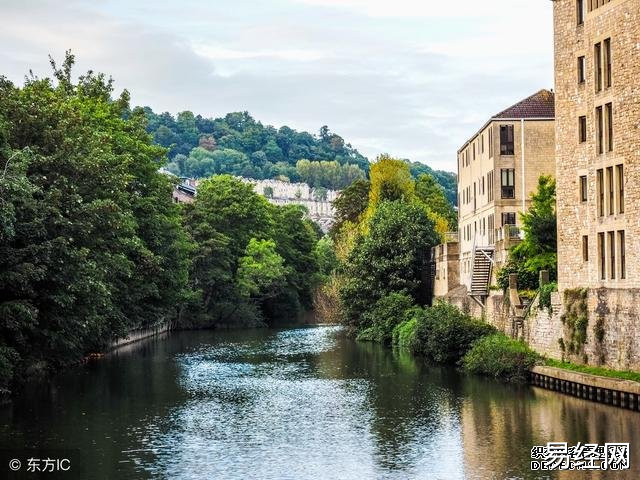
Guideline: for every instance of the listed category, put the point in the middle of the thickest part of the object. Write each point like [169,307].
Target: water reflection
[300,403]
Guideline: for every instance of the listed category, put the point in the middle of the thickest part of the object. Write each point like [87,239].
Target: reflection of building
[318,201]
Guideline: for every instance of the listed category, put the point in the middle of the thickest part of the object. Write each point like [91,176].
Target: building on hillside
[317,201]
[185,191]
[498,170]
[597,53]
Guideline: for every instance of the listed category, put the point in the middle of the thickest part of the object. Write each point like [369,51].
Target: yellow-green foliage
[390,180]
[405,332]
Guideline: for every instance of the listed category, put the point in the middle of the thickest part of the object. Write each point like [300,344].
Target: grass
[603,372]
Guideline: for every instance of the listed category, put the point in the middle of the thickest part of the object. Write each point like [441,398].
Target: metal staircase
[481,271]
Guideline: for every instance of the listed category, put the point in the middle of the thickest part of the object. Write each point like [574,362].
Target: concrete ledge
[596,381]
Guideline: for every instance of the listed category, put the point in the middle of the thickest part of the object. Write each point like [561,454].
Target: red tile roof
[538,105]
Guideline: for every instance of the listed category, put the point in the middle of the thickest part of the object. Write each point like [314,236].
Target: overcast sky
[412,78]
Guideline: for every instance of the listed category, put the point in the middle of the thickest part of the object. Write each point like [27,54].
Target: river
[301,403]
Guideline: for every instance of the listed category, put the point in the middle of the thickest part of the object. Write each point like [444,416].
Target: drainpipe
[524,193]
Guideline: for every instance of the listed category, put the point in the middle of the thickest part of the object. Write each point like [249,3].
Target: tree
[91,244]
[432,195]
[350,205]
[261,273]
[390,181]
[539,247]
[389,258]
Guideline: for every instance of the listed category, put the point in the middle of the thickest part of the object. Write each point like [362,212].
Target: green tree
[432,195]
[261,273]
[390,258]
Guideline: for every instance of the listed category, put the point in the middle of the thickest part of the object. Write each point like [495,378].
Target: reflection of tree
[406,398]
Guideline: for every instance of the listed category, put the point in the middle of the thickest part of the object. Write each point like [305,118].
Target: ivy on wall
[575,320]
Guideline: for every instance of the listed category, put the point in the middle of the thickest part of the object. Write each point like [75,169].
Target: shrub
[444,334]
[404,333]
[500,357]
[389,311]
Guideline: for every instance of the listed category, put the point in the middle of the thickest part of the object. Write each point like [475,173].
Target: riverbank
[613,391]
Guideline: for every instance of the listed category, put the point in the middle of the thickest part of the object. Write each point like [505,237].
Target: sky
[411,78]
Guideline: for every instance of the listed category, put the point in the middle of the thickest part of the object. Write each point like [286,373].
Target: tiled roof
[538,105]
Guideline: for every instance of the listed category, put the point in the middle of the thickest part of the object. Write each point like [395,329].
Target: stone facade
[612,177]
[483,160]
[598,173]
[317,201]
[447,263]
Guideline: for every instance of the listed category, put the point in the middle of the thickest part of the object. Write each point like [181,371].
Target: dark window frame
[583,189]
[507,143]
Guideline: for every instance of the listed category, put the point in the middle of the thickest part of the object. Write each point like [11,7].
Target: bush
[500,357]
[404,333]
[387,312]
[444,334]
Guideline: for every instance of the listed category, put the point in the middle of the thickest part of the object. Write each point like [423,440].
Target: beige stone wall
[539,160]
[447,260]
[618,20]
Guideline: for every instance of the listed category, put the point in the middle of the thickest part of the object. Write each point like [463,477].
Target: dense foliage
[501,357]
[444,333]
[538,249]
[239,145]
[90,243]
[253,261]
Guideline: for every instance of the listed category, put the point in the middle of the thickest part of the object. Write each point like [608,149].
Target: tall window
[508,218]
[490,187]
[491,141]
[621,246]
[607,62]
[580,11]
[608,110]
[602,253]
[599,130]
[581,70]
[610,189]
[597,62]
[508,182]
[490,226]
[600,187]
[506,140]
[583,188]
[582,129]
[612,255]
[585,248]
[620,175]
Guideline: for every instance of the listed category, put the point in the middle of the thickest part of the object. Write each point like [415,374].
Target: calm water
[301,403]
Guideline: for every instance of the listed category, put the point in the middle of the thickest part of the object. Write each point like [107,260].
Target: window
[482,143]
[583,188]
[621,246]
[607,62]
[601,252]
[608,110]
[581,70]
[582,129]
[580,11]
[508,218]
[491,142]
[508,183]
[599,131]
[600,187]
[612,255]
[483,186]
[490,186]
[474,150]
[610,188]
[506,139]
[585,248]
[491,227]
[620,174]
[597,63]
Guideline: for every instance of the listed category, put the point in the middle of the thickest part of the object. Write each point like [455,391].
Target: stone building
[317,201]
[498,170]
[597,58]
